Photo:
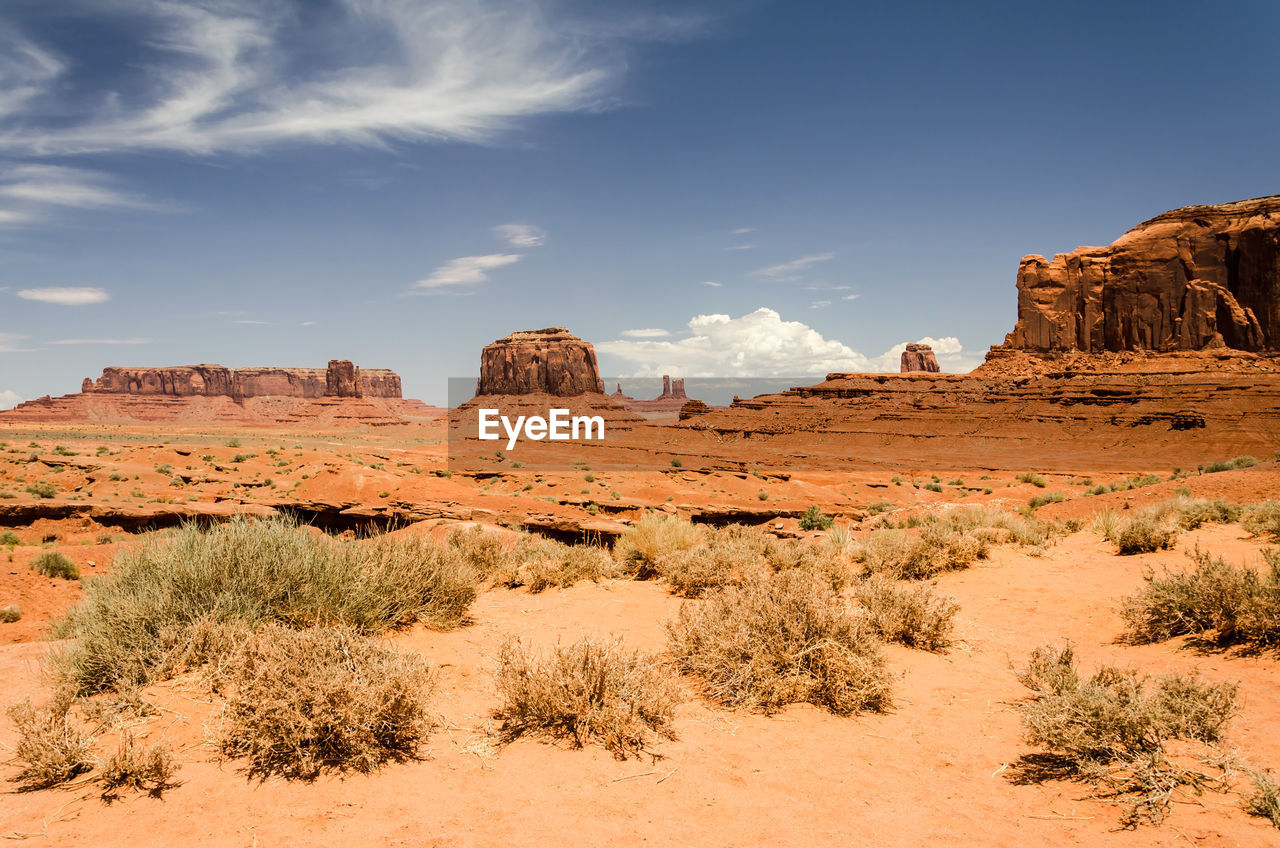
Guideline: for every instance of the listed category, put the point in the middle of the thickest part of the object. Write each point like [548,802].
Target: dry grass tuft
[1222,604]
[1111,731]
[1144,534]
[912,614]
[302,701]
[51,749]
[650,540]
[10,614]
[148,770]
[1265,800]
[1263,520]
[586,692]
[936,548]
[542,563]
[781,640]
[53,564]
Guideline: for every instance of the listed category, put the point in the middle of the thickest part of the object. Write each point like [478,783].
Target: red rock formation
[692,408]
[671,399]
[342,377]
[919,357]
[1195,278]
[551,361]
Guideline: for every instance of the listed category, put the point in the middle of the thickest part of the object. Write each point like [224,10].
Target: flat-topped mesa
[919,357]
[551,361]
[340,379]
[1196,278]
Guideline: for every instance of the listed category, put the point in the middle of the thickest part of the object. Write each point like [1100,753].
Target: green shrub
[879,507]
[302,701]
[9,539]
[53,564]
[677,463]
[1232,464]
[815,519]
[141,621]
[42,490]
[1228,604]
[586,692]
[787,639]
[932,487]
[1043,500]
[1034,479]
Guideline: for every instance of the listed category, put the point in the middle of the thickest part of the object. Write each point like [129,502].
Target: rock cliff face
[340,379]
[919,357]
[551,361]
[1196,278]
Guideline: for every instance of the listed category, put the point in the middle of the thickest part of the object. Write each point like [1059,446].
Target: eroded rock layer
[340,379]
[551,361]
[1195,278]
[919,357]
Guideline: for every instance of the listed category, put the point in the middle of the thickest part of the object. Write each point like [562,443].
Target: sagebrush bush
[1265,800]
[587,692]
[1111,729]
[912,613]
[10,613]
[1034,479]
[51,749]
[1263,520]
[53,564]
[649,540]
[9,539]
[725,556]
[936,548]
[42,490]
[781,640]
[303,701]
[815,519]
[1227,604]
[1144,534]
[149,770]
[1236,462]
[211,583]
[542,563]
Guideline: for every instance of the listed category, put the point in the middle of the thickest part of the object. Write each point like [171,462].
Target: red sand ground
[935,770]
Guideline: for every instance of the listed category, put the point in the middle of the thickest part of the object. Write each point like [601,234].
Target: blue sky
[711,189]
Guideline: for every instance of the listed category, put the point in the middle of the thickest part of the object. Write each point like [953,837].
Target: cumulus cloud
[238,76]
[31,193]
[66,295]
[464,271]
[792,270]
[134,341]
[521,235]
[646,333]
[9,399]
[762,344]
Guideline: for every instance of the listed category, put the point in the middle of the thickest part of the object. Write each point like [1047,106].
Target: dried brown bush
[1144,534]
[540,564]
[936,548]
[51,749]
[149,770]
[910,613]
[586,692]
[301,701]
[785,639]
[651,539]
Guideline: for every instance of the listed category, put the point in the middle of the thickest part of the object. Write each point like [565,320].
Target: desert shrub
[133,622]
[302,701]
[1236,462]
[1034,479]
[1124,485]
[1193,513]
[932,487]
[1043,500]
[10,613]
[1018,529]
[9,539]
[649,540]
[149,770]
[1143,535]
[815,519]
[586,692]
[1263,520]
[42,490]
[1111,730]
[786,639]
[53,564]
[542,563]
[1265,800]
[912,614]
[725,556]
[50,749]
[1232,605]
[937,548]
[879,507]
[482,549]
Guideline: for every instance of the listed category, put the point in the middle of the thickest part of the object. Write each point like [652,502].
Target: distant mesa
[669,402]
[340,379]
[919,357]
[1196,278]
[552,361]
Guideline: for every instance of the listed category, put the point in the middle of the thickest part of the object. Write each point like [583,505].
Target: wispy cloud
[308,324]
[712,283]
[851,296]
[12,343]
[742,231]
[741,247]
[819,304]
[521,235]
[135,341]
[31,193]
[66,295]
[646,333]
[793,269]
[228,75]
[464,271]
[253,322]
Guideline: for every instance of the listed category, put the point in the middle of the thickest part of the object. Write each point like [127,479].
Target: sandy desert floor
[939,768]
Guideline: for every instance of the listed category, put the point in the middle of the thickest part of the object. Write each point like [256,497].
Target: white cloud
[646,333]
[742,231]
[31,193]
[465,271]
[712,283]
[819,304]
[308,323]
[793,269]
[66,295]
[9,399]
[236,75]
[135,341]
[12,343]
[741,247]
[851,297]
[521,235]
[762,344]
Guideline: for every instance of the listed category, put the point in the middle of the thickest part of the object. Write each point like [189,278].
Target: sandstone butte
[669,402]
[340,379]
[551,361]
[919,357]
